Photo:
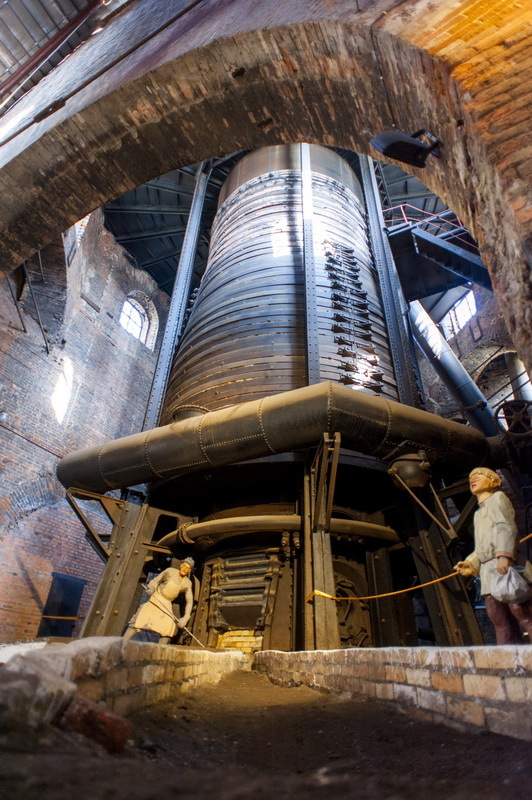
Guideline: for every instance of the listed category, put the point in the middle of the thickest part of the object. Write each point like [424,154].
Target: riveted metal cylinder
[247,333]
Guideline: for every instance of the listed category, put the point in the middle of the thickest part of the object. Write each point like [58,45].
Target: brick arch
[231,75]
[26,498]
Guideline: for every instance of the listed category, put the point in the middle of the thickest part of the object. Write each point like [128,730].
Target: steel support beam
[392,618]
[452,616]
[129,547]
[180,294]
[321,623]
[311,308]
[395,307]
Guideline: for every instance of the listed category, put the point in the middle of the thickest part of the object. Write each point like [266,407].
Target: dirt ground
[246,738]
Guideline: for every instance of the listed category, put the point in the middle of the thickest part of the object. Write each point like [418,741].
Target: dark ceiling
[150,221]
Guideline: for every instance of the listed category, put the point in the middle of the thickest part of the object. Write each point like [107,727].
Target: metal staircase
[451,257]
[433,253]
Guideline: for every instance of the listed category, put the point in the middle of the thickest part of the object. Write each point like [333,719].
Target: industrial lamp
[405,147]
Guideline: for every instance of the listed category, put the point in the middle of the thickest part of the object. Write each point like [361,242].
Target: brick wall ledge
[36,687]
[488,688]
[483,688]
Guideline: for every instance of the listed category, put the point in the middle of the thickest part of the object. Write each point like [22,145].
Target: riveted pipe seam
[293,420]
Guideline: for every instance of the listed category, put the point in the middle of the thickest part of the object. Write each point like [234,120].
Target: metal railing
[444,224]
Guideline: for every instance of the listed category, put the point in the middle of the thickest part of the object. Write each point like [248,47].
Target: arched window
[459,315]
[139,318]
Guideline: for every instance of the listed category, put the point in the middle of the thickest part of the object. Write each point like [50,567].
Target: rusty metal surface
[253,523]
[129,550]
[322,474]
[452,616]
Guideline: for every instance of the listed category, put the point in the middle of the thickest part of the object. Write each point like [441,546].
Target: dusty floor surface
[246,738]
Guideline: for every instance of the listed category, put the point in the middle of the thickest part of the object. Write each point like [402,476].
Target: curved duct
[453,375]
[289,421]
[213,528]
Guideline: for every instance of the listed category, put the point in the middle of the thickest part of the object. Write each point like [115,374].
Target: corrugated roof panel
[26,26]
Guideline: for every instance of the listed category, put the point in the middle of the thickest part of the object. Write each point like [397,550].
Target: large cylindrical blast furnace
[280,242]
[280,421]
[248,332]
[249,336]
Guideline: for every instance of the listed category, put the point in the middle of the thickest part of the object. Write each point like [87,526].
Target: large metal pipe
[284,422]
[521,386]
[447,366]
[188,533]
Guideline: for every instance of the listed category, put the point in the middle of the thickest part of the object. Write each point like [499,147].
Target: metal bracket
[113,508]
[323,480]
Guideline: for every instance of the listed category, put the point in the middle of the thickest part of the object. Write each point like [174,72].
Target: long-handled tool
[195,639]
[176,620]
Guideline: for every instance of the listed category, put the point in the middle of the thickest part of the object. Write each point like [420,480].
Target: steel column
[309,263]
[395,308]
[452,617]
[322,479]
[392,618]
[118,590]
[180,294]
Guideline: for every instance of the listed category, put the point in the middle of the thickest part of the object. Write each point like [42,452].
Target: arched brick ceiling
[161,87]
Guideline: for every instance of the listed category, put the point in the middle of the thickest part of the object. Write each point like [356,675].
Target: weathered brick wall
[49,539]
[484,687]
[106,376]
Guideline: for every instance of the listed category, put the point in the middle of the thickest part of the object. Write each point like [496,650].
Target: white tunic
[495,535]
[157,613]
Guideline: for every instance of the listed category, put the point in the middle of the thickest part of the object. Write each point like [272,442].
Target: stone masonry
[488,688]
[476,687]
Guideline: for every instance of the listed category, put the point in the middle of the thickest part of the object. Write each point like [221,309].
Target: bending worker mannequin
[496,540]
[155,620]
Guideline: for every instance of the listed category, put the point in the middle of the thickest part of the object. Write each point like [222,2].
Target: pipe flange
[182,533]
[188,411]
